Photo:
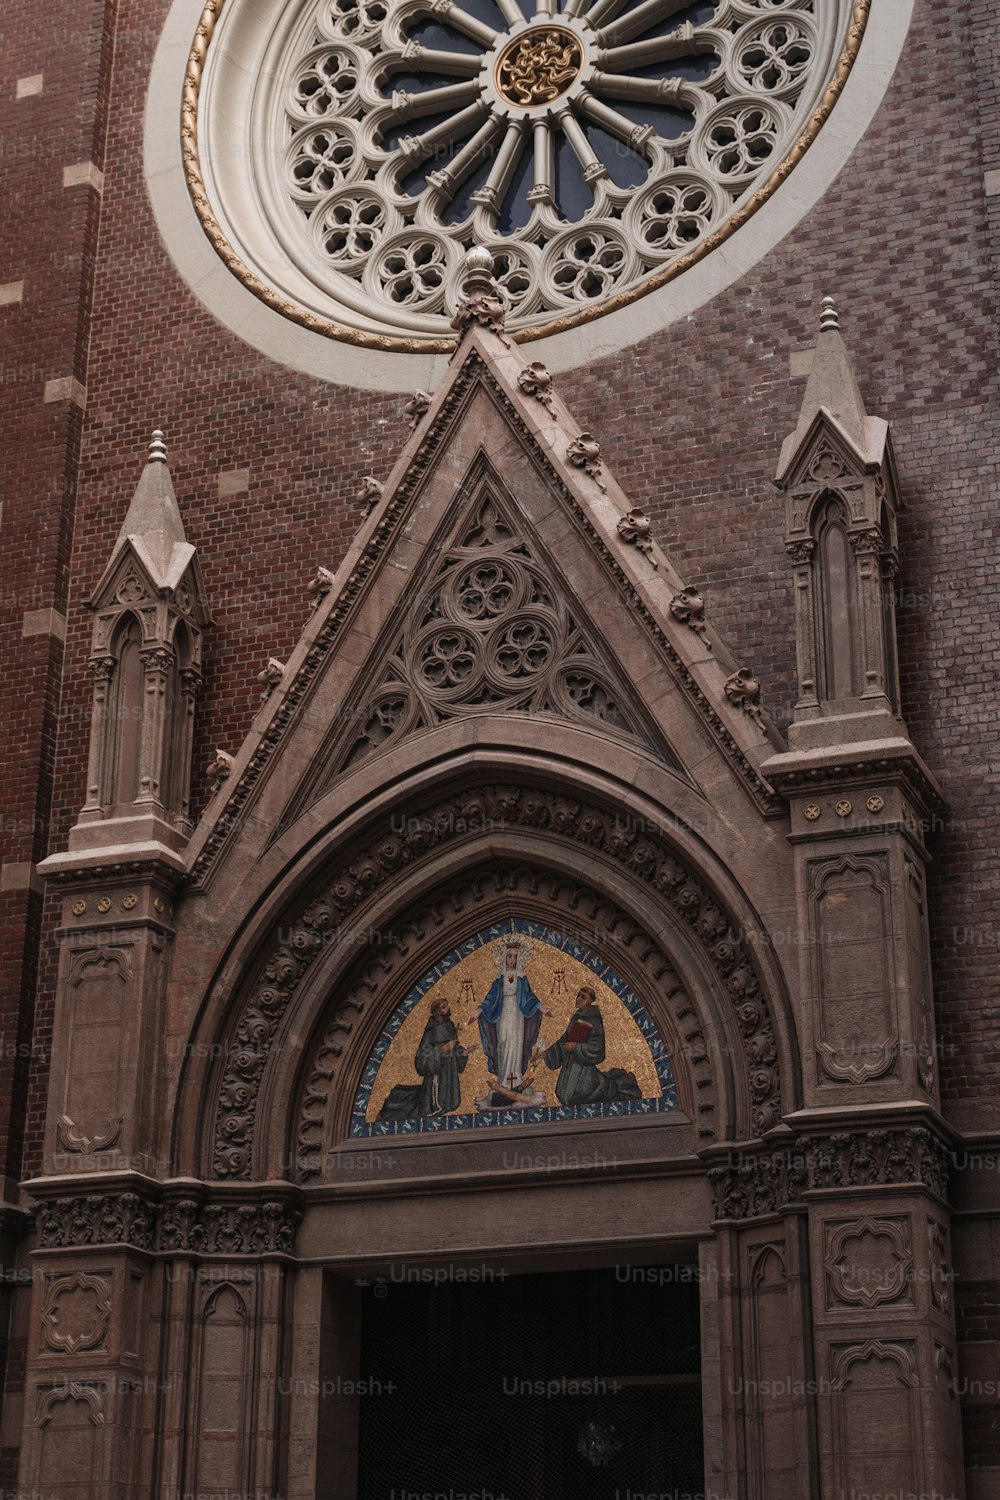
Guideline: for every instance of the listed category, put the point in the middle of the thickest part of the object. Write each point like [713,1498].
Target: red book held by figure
[579,1031]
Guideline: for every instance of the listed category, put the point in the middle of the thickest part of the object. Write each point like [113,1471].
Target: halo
[513,940]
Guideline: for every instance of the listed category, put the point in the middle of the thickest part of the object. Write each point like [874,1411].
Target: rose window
[590,148]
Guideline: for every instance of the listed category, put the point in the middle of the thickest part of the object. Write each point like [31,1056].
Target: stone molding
[644,855]
[171,1226]
[770,1182]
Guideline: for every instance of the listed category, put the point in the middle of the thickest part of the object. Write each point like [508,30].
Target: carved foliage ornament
[750,1184]
[503,806]
[176,1225]
[676,134]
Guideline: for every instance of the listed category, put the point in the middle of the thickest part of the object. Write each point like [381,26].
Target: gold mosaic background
[555,978]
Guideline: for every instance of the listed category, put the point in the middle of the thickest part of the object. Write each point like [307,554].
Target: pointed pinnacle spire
[832,385]
[153,521]
[833,389]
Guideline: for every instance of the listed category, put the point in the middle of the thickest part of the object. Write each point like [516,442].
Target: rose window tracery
[588,148]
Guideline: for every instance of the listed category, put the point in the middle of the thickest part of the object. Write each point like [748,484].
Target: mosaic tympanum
[519,1024]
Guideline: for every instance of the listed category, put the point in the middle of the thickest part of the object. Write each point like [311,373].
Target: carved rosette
[76,1312]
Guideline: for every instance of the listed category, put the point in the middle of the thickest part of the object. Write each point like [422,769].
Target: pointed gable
[152,531]
[501,573]
[833,415]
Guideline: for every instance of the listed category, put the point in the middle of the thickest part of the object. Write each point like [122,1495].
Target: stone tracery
[589,148]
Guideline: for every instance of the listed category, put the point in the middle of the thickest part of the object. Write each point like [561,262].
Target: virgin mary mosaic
[517,1025]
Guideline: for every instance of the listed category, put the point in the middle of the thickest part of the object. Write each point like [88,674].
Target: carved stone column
[841,1330]
[102,670]
[106,1065]
[189,684]
[158,671]
[156,1349]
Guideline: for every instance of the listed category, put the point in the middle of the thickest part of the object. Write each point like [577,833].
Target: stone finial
[157,448]
[480,300]
[478,272]
[829,322]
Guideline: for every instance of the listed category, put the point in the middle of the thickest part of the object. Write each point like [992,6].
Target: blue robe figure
[509,1032]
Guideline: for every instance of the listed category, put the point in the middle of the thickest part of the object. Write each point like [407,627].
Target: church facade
[499,876]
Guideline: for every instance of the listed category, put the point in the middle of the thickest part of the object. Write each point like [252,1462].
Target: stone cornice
[795,772]
[751,1182]
[176,1218]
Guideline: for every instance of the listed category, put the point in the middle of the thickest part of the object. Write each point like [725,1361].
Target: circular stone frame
[256,311]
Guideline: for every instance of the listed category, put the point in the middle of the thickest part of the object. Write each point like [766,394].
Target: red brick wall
[48,235]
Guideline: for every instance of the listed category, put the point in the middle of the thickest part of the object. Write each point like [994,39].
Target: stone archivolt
[645,855]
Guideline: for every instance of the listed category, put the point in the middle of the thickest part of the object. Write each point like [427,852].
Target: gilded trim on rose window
[390,342]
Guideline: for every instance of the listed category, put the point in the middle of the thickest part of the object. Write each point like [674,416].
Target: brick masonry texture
[691,422]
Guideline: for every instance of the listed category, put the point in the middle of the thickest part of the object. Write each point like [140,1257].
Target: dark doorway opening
[581,1385]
